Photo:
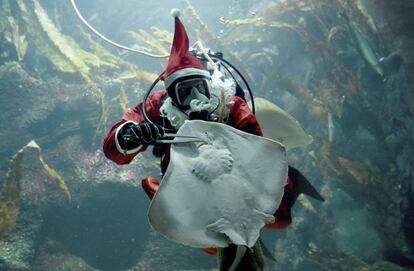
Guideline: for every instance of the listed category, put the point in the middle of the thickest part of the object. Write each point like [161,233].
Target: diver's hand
[143,133]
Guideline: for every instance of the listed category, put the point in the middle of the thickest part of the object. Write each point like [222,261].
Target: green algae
[10,194]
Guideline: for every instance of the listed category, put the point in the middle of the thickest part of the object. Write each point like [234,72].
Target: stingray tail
[302,185]
[266,251]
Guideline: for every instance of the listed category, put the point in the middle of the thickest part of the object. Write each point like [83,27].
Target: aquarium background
[64,206]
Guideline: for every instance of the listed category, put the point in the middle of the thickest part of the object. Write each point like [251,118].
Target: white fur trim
[172,113]
[175,12]
[219,82]
[118,146]
[184,72]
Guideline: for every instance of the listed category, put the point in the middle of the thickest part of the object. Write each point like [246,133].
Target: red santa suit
[182,64]
[240,117]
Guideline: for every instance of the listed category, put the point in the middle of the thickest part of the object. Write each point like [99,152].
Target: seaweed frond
[202,31]
[350,86]
[17,38]
[123,100]
[144,37]
[162,35]
[10,194]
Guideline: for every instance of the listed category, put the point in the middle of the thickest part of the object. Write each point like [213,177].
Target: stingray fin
[278,125]
[224,226]
[241,250]
[263,216]
[303,185]
[266,251]
[220,226]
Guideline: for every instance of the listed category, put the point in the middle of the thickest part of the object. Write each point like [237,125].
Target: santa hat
[181,62]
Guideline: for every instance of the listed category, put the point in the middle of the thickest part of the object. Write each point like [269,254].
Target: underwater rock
[40,109]
[18,251]
[62,262]
[341,261]
[23,101]
[32,106]
[105,225]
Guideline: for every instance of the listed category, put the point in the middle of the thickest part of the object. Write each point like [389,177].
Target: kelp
[300,5]
[351,87]
[17,38]
[359,172]
[297,89]
[9,211]
[10,194]
[61,50]
[330,98]
[329,157]
[143,37]
[45,48]
[123,100]
[163,36]
[57,177]
[280,7]
[12,38]
[108,110]
[260,22]
[354,170]
[137,75]
[202,31]
[209,38]
[77,57]
[100,51]
[80,58]
[50,171]
[132,71]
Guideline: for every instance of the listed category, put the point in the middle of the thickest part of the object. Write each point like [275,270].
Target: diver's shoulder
[237,99]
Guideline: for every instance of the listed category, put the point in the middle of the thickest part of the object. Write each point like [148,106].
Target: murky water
[343,69]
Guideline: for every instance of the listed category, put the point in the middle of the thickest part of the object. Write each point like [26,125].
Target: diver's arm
[111,146]
[121,151]
[242,118]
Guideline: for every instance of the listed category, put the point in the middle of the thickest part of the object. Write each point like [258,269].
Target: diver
[190,93]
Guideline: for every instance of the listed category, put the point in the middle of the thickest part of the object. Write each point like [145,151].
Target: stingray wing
[220,192]
[278,125]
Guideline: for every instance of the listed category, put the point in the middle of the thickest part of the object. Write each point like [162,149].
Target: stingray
[278,125]
[219,191]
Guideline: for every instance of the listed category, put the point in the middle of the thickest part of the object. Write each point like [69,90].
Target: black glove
[133,135]
[199,115]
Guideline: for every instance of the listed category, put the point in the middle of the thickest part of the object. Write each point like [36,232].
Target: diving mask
[191,89]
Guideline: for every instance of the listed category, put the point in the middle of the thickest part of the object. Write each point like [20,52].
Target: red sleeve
[242,118]
[135,114]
